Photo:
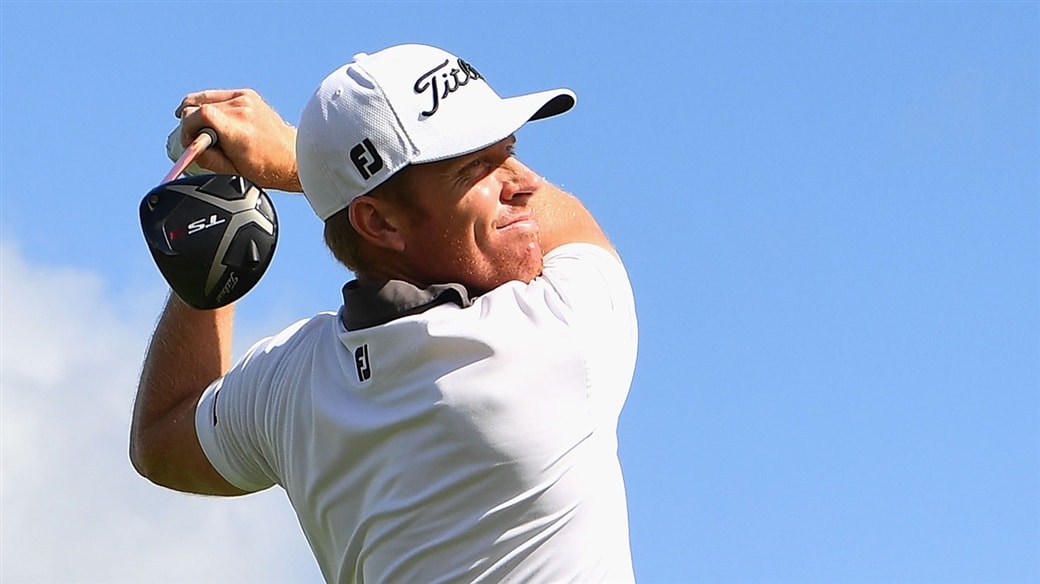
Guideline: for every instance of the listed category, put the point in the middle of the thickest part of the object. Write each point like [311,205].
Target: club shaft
[204,140]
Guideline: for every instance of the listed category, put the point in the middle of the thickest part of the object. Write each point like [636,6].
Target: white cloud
[72,509]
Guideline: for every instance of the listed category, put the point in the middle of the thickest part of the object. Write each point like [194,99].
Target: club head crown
[212,236]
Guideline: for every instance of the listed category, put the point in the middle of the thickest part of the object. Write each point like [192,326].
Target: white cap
[406,104]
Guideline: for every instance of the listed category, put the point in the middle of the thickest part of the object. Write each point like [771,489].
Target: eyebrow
[455,171]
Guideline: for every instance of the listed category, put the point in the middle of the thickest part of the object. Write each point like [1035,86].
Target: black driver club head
[212,236]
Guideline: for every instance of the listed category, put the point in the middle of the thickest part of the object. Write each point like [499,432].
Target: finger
[196,118]
[198,98]
[213,159]
[189,126]
[186,111]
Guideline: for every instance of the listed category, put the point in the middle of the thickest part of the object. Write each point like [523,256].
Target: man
[456,420]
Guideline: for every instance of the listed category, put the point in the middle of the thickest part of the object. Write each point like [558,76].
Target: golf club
[212,236]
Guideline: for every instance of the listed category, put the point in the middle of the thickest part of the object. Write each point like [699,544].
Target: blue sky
[829,212]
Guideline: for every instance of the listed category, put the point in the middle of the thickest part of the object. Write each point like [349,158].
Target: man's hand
[253,140]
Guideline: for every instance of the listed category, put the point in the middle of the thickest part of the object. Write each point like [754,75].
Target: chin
[523,272]
[524,267]
[529,271]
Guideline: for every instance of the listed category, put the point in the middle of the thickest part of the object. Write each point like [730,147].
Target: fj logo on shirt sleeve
[216,394]
[364,368]
[366,159]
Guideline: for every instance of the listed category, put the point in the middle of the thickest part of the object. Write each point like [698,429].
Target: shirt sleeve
[591,285]
[227,437]
[235,413]
[588,288]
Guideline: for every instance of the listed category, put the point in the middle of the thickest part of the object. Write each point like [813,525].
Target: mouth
[524,221]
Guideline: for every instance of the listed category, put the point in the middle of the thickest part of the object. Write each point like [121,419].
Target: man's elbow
[153,463]
[145,459]
[168,464]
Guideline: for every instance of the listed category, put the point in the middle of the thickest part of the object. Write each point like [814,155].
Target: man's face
[472,223]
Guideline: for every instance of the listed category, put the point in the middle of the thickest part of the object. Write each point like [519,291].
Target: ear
[377,222]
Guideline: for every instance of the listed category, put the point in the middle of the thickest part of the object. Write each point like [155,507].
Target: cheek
[478,217]
[458,236]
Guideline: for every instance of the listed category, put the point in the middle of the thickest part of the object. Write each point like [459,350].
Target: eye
[472,170]
[476,167]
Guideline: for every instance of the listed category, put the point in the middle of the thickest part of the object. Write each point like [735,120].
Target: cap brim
[473,133]
[560,102]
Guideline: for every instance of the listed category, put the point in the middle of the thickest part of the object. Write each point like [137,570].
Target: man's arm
[562,219]
[192,348]
[189,350]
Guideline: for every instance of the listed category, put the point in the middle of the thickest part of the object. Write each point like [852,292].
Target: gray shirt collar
[368,305]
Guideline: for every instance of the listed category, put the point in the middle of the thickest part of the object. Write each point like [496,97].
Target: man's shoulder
[286,341]
[306,326]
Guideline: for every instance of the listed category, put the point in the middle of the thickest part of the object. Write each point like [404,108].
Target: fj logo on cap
[366,158]
[454,78]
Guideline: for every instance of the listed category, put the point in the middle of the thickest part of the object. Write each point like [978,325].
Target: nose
[518,180]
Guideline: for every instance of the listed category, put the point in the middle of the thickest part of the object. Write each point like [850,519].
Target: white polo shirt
[473,443]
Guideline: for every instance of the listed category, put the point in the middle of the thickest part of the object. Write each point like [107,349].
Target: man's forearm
[189,350]
[562,219]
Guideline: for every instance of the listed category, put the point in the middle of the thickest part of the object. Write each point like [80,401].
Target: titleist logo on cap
[452,82]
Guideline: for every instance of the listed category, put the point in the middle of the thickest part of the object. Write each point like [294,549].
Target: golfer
[456,419]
